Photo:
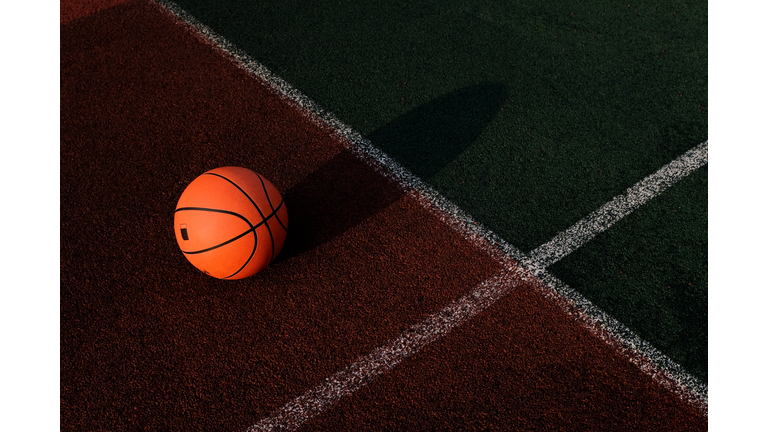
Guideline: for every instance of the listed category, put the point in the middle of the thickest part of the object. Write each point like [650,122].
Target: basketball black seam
[249,258]
[211,210]
[274,212]
[251,229]
[270,205]
[263,222]
[269,230]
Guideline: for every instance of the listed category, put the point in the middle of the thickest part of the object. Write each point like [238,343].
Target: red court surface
[148,342]
[72,9]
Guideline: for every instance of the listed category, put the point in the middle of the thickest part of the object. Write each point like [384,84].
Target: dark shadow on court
[345,191]
[428,138]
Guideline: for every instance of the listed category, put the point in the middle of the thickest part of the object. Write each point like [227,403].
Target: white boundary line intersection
[662,369]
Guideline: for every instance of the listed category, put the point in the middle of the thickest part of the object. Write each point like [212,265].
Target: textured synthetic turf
[73,9]
[650,272]
[587,98]
[521,366]
[150,343]
[529,116]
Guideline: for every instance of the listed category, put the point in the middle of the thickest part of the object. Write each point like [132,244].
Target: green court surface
[650,272]
[527,116]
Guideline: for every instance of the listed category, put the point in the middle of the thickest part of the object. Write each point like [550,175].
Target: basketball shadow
[345,191]
[428,138]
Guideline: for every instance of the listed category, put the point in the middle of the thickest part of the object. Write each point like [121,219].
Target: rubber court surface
[529,116]
[150,343]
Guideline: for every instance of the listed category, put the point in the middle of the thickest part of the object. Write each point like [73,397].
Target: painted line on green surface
[610,213]
[662,369]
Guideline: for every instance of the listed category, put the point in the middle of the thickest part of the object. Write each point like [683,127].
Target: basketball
[230,222]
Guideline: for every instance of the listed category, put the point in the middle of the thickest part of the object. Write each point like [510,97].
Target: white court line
[615,334]
[384,358]
[622,205]
[662,369]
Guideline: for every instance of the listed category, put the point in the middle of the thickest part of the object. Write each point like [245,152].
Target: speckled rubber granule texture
[148,342]
[520,366]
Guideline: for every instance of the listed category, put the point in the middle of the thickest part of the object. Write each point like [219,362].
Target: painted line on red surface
[640,352]
[662,369]
[382,359]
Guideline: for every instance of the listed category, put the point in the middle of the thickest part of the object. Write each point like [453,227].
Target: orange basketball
[230,222]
